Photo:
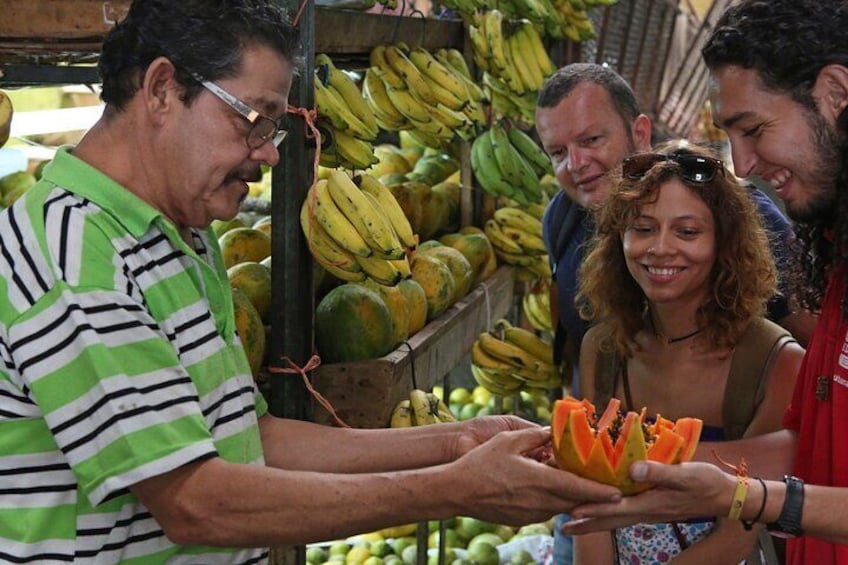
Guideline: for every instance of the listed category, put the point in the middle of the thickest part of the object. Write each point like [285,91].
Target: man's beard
[830,169]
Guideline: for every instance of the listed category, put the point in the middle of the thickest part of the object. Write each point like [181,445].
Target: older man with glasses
[132,430]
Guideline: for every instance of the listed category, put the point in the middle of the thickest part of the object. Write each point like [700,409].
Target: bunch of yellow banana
[348,121]
[6,112]
[356,232]
[516,237]
[420,409]
[505,163]
[432,96]
[536,305]
[573,19]
[509,359]
[512,52]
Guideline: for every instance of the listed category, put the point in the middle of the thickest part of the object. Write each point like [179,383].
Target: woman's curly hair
[742,279]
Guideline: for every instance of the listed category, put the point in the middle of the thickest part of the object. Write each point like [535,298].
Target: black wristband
[788,524]
[748,525]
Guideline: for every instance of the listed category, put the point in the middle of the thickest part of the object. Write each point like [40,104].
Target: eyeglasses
[693,168]
[263,129]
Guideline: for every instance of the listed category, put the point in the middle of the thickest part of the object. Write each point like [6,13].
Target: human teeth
[779,179]
[663,271]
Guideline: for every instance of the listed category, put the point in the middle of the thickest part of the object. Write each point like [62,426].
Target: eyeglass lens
[265,129]
[693,168]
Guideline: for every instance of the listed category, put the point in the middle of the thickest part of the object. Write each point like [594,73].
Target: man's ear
[160,89]
[831,91]
[641,130]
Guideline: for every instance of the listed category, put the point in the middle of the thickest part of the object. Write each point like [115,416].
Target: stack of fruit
[516,237]
[510,359]
[433,97]
[514,57]
[347,123]
[357,231]
[507,162]
[420,409]
[536,305]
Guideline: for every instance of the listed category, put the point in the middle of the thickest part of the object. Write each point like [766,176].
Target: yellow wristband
[739,496]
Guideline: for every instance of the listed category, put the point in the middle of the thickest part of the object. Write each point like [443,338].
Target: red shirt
[822,456]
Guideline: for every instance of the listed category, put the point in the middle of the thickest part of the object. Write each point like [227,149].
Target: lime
[521,557]
[339,548]
[381,548]
[392,559]
[399,544]
[316,554]
[486,537]
[469,410]
[468,527]
[433,556]
[373,560]
[451,539]
[410,554]
[484,553]
[504,532]
[460,395]
[533,530]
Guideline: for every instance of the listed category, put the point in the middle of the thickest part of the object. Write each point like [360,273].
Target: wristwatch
[788,524]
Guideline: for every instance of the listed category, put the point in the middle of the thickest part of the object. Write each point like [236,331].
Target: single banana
[531,151]
[451,56]
[338,112]
[322,246]
[382,68]
[409,106]
[402,415]
[493,29]
[403,266]
[530,244]
[482,52]
[355,153]
[421,408]
[518,219]
[334,222]
[452,118]
[350,94]
[341,274]
[371,224]
[446,97]
[501,384]
[526,70]
[485,167]
[443,76]
[507,352]
[505,155]
[531,343]
[434,127]
[396,244]
[483,359]
[522,259]
[374,92]
[538,317]
[409,72]
[530,185]
[6,112]
[381,270]
[391,207]
[540,54]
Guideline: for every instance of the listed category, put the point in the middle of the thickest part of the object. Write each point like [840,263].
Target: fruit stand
[56,41]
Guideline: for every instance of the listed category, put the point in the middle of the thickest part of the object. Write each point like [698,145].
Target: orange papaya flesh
[604,448]
[666,447]
[690,430]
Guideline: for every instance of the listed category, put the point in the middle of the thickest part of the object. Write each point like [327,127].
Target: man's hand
[477,431]
[682,491]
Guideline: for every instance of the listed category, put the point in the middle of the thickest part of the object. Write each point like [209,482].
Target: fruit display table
[364,392]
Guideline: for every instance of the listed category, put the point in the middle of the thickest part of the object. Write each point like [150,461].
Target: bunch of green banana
[420,409]
[346,117]
[574,22]
[509,359]
[411,89]
[512,52]
[516,237]
[6,112]
[536,305]
[505,163]
[357,233]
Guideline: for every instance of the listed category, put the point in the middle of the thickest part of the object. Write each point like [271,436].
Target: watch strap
[789,521]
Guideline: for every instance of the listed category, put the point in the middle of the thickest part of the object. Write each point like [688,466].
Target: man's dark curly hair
[787,43]
[204,37]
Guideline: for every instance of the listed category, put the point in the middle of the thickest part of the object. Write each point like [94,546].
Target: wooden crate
[363,393]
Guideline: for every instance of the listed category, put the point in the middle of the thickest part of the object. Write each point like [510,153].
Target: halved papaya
[602,448]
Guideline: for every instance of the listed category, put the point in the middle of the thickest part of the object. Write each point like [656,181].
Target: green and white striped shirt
[119,361]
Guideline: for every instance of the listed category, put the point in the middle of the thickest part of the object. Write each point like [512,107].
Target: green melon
[352,323]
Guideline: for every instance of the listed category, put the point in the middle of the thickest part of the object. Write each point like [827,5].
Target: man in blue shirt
[588,120]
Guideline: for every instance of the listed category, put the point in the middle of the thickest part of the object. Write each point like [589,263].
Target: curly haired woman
[677,277]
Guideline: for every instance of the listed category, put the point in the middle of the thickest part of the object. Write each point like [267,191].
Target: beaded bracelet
[750,524]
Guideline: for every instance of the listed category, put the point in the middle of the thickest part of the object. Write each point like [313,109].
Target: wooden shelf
[70,31]
[363,393]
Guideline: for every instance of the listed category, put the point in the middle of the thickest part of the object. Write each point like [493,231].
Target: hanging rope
[313,363]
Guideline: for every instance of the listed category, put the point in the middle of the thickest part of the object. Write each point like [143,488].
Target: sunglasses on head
[693,168]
